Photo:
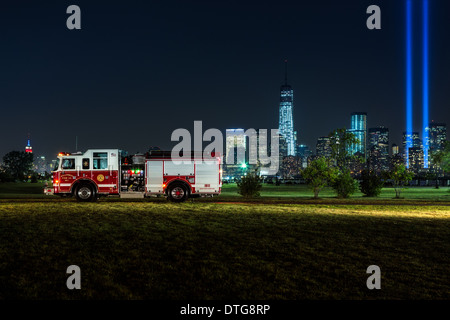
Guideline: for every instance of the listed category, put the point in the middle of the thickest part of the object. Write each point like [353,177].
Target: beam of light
[409,101]
[425,84]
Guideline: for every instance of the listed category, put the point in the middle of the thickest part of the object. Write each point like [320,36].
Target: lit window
[100,160]
[68,164]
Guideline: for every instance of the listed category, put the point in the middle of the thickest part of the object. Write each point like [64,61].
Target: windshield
[55,168]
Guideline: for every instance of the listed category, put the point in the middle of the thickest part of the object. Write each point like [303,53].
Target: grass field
[269,192]
[225,249]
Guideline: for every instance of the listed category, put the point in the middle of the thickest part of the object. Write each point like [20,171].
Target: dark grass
[269,194]
[200,250]
[21,189]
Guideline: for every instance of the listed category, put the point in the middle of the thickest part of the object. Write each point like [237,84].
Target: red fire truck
[105,172]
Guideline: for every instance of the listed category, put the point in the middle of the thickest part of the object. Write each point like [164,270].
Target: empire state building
[286,121]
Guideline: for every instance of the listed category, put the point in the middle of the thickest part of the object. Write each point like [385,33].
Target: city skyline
[367,138]
[150,80]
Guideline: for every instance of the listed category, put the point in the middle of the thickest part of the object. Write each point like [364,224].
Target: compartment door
[154,172]
[206,176]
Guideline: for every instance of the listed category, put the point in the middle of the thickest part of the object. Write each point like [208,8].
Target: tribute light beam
[409,102]
[425,100]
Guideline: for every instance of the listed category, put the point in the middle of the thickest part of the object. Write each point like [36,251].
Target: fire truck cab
[109,172]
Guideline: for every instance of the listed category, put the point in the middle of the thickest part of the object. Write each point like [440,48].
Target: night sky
[138,70]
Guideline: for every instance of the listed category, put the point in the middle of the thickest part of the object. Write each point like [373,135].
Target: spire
[285,72]
[28,147]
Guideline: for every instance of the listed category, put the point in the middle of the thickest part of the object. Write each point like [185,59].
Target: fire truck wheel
[85,193]
[177,193]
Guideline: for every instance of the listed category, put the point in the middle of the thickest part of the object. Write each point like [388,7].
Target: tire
[85,193]
[177,193]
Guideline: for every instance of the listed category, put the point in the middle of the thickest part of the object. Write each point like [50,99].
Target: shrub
[34,178]
[5,176]
[344,185]
[318,175]
[249,185]
[400,177]
[371,183]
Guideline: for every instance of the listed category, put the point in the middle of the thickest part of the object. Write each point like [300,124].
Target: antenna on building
[285,72]
[28,147]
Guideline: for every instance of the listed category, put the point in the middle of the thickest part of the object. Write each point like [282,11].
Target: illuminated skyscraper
[286,120]
[414,138]
[378,139]
[414,141]
[235,153]
[379,136]
[303,151]
[323,147]
[359,129]
[28,147]
[437,135]
[235,146]
[416,159]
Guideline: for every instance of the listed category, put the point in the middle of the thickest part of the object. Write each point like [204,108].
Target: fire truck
[111,172]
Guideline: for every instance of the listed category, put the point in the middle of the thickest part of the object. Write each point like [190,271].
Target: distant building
[304,153]
[415,142]
[359,129]
[235,161]
[437,135]
[378,139]
[323,147]
[416,159]
[379,136]
[286,120]
[282,148]
[395,160]
[395,149]
[246,150]
[236,146]
[53,165]
[290,167]
[259,150]
[41,165]
[28,148]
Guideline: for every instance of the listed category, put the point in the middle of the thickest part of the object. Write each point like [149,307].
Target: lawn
[302,192]
[10,190]
[222,250]
[282,193]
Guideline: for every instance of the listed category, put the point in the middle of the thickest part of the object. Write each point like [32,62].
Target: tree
[445,163]
[400,177]
[371,183]
[250,185]
[340,142]
[18,164]
[440,160]
[344,185]
[4,175]
[437,158]
[319,174]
